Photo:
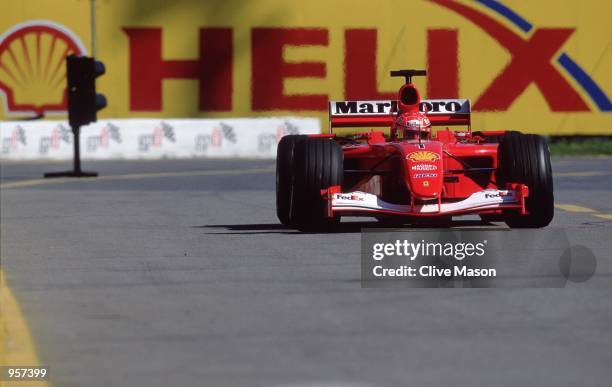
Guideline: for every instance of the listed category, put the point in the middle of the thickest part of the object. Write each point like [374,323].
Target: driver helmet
[407,126]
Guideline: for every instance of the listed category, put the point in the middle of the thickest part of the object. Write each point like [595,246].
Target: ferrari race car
[409,176]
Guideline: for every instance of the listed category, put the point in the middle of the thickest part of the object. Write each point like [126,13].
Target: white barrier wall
[151,138]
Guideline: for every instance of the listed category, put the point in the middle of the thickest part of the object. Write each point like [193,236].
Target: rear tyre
[525,158]
[319,164]
[284,175]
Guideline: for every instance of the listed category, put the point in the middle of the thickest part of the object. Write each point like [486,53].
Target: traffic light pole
[77,150]
[76,172]
[92,15]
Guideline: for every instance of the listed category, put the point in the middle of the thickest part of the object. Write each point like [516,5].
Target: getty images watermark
[473,258]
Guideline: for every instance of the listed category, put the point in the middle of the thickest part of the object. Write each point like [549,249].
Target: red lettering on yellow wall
[213,69]
[531,63]
[360,66]
[442,63]
[269,68]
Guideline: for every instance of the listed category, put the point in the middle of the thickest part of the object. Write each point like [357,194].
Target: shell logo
[422,156]
[33,67]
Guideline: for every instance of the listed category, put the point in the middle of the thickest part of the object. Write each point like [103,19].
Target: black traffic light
[83,101]
[83,104]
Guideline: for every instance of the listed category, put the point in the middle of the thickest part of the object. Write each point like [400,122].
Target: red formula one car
[410,175]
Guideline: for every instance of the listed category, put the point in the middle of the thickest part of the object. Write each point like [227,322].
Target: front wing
[366,204]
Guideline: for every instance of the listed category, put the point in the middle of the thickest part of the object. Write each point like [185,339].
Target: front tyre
[284,175]
[525,158]
[319,164]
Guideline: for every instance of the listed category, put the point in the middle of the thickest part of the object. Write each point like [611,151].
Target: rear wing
[382,113]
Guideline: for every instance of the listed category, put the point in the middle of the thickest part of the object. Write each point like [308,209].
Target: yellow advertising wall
[402,29]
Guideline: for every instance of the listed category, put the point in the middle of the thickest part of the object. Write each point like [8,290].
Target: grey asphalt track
[185,278]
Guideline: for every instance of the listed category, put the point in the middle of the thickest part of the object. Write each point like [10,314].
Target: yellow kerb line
[573,208]
[604,216]
[581,174]
[16,344]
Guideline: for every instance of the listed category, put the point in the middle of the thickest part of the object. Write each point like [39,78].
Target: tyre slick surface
[525,158]
[318,164]
[284,175]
